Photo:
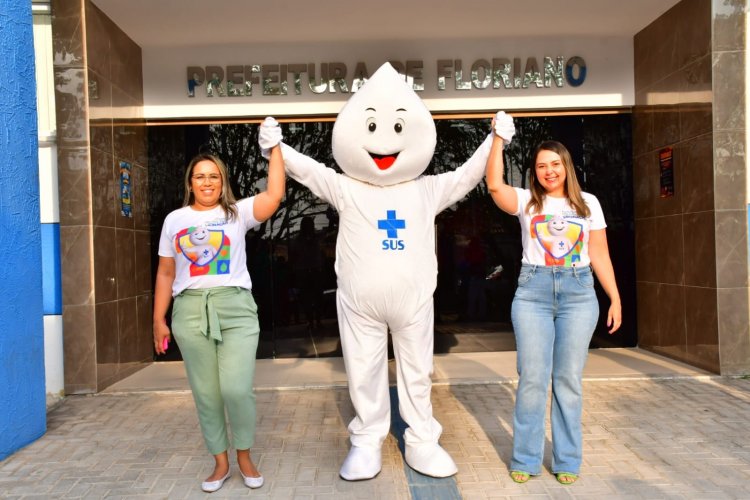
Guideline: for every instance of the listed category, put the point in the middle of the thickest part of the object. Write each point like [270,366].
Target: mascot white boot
[386,267]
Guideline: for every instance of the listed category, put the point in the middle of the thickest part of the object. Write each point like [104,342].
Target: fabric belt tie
[210,326]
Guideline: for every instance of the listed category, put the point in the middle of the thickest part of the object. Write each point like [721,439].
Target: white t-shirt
[208,251]
[557,236]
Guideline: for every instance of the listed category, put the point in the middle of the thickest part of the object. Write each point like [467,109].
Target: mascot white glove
[269,136]
[503,126]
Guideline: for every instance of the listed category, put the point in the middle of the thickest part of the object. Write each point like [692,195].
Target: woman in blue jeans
[555,309]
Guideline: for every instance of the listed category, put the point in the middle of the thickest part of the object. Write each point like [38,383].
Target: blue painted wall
[51,274]
[23,415]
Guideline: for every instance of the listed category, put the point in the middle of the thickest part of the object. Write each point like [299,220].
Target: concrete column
[22,397]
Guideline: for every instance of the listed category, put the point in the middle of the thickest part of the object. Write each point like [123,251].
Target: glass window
[291,256]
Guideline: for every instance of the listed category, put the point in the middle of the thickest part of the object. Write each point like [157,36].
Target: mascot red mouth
[384,162]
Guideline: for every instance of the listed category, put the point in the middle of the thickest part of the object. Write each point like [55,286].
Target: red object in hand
[165,344]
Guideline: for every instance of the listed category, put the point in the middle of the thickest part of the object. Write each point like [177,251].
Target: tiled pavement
[649,437]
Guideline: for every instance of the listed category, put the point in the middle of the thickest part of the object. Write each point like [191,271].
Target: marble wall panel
[76,265]
[98,260]
[666,125]
[702,331]
[700,249]
[729,90]
[100,133]
[126,109]
[656,52]
[697,48]
[124,140]
[100,113]
[734,331]
[107,341]
[73,186]
[648,314]
[124,249]
[695,119]
[103,189]
[693,30]
[128,328]
[79,348]
[697,169]
[98,27]
[671,314]
[730,174]
[665,92]
[144,341]
[143,277]
[670,250]
[729,157]
[645,185]
[140,146]
[141,216]
[126,65]
[731,249]
[643,130]
[647,250]
[642,64]
[696,98]
[67,33]
[729,24]
[70,106]
[105,265]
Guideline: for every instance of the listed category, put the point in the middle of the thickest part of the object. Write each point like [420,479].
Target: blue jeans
[554,314]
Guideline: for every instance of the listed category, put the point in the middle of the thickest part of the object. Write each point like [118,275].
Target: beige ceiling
[152,23]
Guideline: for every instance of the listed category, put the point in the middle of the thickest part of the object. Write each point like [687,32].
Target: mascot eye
[399,126]
[371,125]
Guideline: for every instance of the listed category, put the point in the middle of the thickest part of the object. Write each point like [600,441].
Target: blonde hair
[227,200]
[572,188]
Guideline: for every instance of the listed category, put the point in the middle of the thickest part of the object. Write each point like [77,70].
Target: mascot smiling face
[385,134]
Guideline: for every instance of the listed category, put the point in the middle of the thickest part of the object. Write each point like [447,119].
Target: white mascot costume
[386,266]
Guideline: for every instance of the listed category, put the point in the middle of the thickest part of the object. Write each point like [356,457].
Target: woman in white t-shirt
[555,309]
[214,317]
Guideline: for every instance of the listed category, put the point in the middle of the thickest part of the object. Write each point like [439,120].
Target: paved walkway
[661,431]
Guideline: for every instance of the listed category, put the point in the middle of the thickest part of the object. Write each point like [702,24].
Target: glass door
[291,256]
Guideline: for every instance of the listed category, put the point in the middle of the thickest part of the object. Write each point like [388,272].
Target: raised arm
[602,265]
[321,180]
[456,184]
[504,196]
[267,202]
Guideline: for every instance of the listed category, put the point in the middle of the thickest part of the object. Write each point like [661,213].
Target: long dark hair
[227,200]
[572,188]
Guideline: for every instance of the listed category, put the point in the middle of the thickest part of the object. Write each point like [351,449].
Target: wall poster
[666,173]
[125,190]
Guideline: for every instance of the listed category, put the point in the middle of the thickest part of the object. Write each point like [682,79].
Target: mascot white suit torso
[383,140]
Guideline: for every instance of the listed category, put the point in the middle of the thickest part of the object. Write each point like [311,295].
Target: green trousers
[217,331]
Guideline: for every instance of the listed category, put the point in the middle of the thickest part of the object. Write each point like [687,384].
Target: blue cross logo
[391,224]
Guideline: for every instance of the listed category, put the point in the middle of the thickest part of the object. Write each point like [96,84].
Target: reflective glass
[291,256]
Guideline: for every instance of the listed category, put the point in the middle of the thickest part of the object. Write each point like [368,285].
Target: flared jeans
[554,314]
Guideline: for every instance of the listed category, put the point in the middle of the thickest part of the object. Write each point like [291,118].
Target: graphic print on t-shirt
[208,250]
[560,238]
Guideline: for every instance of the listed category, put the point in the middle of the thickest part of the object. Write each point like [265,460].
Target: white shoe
[211,486]
[252,482]
[361,463]
[430,459]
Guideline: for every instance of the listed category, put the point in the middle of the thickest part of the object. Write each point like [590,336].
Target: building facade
[118,107]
